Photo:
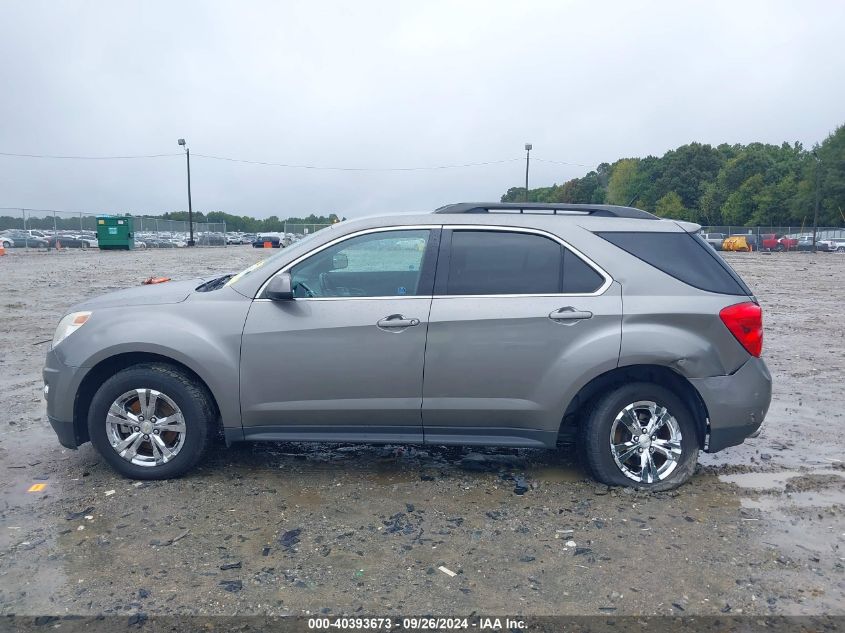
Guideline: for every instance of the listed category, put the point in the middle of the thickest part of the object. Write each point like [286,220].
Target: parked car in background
[714,239]
[595,305]
[805,243]
[158,242]
[210,239]
[18,238]
[275,241]
[239,238]
[777,242]
[833,245]
[71,241]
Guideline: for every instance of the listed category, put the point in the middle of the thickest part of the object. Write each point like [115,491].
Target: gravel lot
[296,529]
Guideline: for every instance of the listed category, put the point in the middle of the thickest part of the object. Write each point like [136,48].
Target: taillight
[745,321]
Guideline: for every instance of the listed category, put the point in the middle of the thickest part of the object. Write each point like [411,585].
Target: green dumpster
[114,232]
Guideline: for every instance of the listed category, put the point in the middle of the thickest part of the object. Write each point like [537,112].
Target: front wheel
[151,421]
[641,435]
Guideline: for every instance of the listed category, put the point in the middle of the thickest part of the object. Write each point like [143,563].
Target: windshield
[301,245]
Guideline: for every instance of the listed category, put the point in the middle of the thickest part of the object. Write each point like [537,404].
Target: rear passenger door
[516,315]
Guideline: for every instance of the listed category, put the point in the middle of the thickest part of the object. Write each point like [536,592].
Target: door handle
[396,321]
[570,314]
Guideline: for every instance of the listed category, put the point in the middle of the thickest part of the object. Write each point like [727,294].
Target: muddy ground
[295,529]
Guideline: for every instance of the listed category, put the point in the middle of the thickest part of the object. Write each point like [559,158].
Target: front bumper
[736,404]
[61,386]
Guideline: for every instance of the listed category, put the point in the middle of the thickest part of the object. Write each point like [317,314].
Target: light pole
[528,147]
[816,210]
[182,142]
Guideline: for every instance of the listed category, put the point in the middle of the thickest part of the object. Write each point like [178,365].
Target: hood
[154,294]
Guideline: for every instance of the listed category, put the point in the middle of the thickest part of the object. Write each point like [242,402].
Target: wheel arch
[106,368]
[657,374]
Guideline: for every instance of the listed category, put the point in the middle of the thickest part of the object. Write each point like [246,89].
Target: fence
[78,229]
[46,229]
[822,233]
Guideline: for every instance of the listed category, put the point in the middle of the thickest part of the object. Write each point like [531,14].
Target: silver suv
[519,325]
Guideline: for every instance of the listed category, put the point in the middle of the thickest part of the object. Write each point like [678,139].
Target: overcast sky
[390,84]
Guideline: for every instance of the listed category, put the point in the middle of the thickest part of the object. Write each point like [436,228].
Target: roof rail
[598,210]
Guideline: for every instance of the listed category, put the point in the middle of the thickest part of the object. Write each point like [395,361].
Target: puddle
[797,500]
[556,474]
[775,480]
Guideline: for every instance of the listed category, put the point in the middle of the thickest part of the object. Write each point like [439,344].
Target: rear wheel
[641,435]
[151,421]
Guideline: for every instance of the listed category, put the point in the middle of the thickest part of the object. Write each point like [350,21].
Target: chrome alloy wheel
[145,427]
[645,440]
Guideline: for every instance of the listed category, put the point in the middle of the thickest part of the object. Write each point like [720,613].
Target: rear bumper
[736,404]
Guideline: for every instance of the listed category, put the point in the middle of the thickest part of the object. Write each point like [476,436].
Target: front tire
[641,435]
[152,421]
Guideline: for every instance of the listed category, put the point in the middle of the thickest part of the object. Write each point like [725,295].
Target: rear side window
[685,257]
[498,262]
[504,262]
[578,277]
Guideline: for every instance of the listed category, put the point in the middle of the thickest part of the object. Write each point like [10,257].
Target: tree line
[746,185]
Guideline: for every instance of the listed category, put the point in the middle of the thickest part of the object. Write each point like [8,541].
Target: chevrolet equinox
[518,325]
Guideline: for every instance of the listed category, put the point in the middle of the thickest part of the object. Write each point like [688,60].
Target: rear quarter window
[684,256]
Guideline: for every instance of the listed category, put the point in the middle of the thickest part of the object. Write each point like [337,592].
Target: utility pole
[528,148]
[190,209]
[818,188]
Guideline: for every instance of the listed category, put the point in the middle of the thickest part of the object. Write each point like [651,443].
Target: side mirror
[280,288]
[340,261]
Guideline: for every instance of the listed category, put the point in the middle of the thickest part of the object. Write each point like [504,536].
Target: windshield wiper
[215,284]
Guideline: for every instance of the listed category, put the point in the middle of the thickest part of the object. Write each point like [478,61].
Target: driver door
[343,360]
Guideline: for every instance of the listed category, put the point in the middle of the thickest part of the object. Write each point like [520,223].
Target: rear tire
[661,459]
[146,447]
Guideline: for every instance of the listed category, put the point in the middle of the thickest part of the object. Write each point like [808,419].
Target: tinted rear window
[494,262]
[578,277]
[685,257]
[504,262]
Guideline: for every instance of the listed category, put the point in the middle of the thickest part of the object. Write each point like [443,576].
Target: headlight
[70,324]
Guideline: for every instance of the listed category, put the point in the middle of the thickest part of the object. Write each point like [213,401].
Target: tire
[178,393]
[595,438]
[780,248]
[7,244]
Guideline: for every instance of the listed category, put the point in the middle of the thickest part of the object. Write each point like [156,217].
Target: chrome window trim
[608,280]
[304,256]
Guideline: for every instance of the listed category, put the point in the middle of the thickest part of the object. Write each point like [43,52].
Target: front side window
[382,264]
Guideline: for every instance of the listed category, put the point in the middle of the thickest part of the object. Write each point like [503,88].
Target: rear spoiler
[689,227]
